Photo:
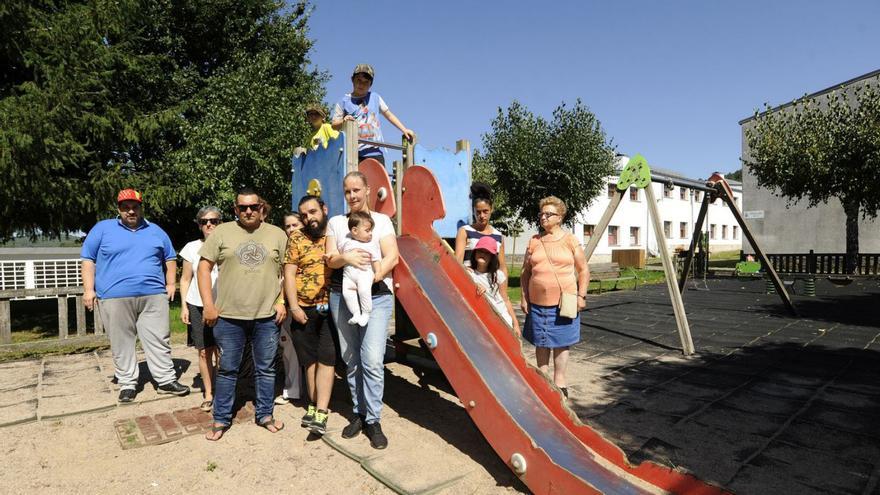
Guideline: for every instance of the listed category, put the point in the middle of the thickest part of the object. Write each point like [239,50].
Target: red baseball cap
[129,195]
[487,243]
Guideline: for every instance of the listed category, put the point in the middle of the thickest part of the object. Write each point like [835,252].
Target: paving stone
[167,427]
[790,462]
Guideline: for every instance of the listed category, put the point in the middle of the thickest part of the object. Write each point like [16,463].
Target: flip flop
[269,423]
[215,428]
[207,405]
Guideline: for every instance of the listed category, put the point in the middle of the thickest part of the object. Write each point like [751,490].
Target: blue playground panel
[327,165]
[453,172]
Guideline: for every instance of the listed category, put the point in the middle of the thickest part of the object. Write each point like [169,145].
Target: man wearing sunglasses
[249,253]
[129,267]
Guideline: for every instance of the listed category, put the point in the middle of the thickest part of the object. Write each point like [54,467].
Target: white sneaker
[280,400]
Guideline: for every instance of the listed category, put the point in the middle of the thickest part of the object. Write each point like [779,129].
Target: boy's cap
[129,195]
[318,109]
[487,243]
[363,69]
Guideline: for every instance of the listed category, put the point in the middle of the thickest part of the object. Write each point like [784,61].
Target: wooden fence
[824,263]
[62,295]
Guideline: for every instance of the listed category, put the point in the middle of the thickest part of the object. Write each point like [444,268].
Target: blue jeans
[363,350]
[230,336]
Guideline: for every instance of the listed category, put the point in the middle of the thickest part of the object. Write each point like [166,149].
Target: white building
[630,227]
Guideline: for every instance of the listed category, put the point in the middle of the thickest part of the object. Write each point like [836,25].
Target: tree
[820,149]
[734,175]
[527,158]
[185,100]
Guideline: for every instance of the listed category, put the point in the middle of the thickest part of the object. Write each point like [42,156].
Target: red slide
[512,404]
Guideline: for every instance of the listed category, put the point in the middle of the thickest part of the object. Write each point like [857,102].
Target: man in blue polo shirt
[122,267]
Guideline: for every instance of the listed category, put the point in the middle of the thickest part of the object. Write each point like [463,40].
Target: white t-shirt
[190,253]
[338,228]
[494,295]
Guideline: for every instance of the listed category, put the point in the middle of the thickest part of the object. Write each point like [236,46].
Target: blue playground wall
[328,166]
[453,172]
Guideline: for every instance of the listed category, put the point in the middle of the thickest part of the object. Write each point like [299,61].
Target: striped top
[473,237]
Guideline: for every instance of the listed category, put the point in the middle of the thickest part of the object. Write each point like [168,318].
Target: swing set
[638,174]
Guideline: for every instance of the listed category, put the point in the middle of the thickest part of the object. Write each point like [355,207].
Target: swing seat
[840,281]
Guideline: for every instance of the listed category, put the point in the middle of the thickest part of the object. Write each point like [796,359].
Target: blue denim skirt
[545,328]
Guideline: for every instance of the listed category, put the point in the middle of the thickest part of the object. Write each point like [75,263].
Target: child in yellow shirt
[323,131]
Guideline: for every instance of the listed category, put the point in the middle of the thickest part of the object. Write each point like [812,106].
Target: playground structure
[519,412]
[638,174]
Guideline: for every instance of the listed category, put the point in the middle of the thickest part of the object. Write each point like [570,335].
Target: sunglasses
[256,207]
[206,221]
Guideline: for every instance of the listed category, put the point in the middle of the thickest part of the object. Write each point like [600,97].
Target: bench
[608,272]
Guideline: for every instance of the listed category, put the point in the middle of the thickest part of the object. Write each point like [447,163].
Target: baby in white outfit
[357,282]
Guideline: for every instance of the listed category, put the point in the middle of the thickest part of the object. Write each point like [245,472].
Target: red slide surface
[512,404]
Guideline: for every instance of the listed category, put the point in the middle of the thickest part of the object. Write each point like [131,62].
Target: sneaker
[319,424]
[564,391]
[280,400]
[378,440]
[127,395]
[174,388]
[309,417]
[354,427]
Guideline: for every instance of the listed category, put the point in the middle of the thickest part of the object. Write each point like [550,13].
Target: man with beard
[129,266]
[306,278]
[249,303]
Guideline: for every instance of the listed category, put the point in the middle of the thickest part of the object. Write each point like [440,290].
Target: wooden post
[695,241]
[722,189]
[350,128]
[684,331]
[99,323]
[409,153]
[80,316]
[398,192]
[603,223]
[62,316]
[5,322]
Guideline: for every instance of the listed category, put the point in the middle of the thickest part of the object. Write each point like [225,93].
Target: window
[683,230]
[588,233]
[611,189]
[724,231]
[683,193]
[667,229]
[667,191]
[736,232]
[633,194]
[736,200]
[713,230]
[612,235]
[698,196]
[634,236]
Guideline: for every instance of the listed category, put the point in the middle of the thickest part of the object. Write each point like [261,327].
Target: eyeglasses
[547,215]
[206,221]
[255,207]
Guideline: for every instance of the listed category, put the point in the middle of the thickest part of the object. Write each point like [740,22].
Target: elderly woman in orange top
[554,263]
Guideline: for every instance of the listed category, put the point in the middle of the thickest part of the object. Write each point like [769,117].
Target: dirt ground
[434,447]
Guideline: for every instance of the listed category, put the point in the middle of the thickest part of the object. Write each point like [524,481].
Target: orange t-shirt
[543,287]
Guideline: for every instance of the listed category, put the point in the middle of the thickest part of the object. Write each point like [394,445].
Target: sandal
[269,424]
[207,405]
[215,429]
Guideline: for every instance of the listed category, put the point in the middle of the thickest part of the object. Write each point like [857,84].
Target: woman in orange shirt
[554,263]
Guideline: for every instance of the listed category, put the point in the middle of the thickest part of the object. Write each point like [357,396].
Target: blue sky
[667,79]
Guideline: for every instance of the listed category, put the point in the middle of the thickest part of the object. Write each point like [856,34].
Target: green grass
[514,290]
[37,319]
